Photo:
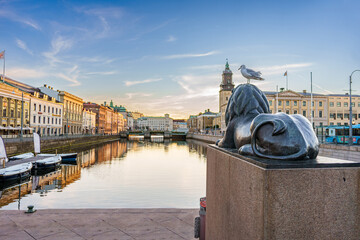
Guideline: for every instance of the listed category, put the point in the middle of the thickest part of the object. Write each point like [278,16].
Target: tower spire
[227,65]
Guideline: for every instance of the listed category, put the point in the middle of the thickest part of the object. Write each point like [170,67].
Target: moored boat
[65,157]
[15,174]
[46,164]
[21,156]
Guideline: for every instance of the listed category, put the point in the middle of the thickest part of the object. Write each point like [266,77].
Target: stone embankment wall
[51,144]
[340,151]
[328,150]
[205,138]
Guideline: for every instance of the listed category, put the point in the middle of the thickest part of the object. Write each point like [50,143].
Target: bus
[340,134]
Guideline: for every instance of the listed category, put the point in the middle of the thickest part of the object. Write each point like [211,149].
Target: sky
[160,57]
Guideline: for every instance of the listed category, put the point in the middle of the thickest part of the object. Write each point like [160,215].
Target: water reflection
[119,174]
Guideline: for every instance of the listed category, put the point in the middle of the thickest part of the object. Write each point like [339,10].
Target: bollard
[199,228]
[202,213]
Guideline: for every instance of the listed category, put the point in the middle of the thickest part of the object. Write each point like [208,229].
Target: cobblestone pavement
[170,224]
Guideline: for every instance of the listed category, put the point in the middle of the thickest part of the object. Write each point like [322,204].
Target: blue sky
[161,57]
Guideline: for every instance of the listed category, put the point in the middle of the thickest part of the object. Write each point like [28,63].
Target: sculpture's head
[283,137]
[246,99]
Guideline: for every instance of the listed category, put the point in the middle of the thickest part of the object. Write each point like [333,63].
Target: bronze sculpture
[254,131]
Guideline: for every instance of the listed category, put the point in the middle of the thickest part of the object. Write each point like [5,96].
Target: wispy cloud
[24,73]
[72,79]
[101,73]
[58,44]
[103,15]
[323,89]
[190,55]
[280,69]
[131,83]
[137,94]
[171,38]
[22,45]
[151,29]
[13,16]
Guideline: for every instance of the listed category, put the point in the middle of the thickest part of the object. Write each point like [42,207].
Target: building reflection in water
[57,180]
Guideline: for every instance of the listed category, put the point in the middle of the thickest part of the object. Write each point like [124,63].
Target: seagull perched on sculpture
[250,74]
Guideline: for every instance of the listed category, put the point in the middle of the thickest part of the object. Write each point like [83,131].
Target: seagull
[250,74]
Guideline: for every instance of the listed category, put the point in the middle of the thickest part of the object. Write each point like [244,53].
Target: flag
[2,54]
[285,74]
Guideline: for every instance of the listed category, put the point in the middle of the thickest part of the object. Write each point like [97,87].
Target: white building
[45,114]
[89,122]
[155,123]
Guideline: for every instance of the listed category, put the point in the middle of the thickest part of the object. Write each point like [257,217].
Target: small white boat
[15,170]
[14,173]
[65,157]
[21,156]
[47,162]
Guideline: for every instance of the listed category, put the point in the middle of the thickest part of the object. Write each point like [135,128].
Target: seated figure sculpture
[254,131]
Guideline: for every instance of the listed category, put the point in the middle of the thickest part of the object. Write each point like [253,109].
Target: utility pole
[22,115]
[311,104]
[350,117]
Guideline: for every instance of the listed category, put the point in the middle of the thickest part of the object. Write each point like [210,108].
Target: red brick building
[100,116]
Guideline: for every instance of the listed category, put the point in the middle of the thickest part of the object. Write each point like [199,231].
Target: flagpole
[277,99]
[311,104]
[4,68]
[287,88]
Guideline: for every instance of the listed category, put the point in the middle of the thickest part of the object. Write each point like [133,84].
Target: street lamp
[350,129]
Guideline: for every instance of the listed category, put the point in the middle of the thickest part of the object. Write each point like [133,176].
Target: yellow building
[205,121]
[73,109]
[291,102]
[225,92]
[339,109]
[11,110]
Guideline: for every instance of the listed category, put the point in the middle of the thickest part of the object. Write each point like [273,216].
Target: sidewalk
[170,224]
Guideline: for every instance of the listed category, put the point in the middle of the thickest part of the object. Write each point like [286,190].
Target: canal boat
[21,156]
[46,164]
[65,157]
[13,174]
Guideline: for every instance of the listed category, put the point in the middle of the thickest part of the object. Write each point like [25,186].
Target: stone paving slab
[123,224]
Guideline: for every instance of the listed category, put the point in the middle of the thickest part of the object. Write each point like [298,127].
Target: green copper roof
[227,65]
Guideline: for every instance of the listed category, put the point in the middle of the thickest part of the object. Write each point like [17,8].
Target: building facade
[11,110]
[205,120]
[155,123]
[291,102]
[45,114]
[73,108]
[89,122]
[225,92]
[100,112]
[339,109]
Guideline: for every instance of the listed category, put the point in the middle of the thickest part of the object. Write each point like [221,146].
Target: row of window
[339,124]
[295,103]
[52,109]
[12,113]
[346,104]
[320,113]
[345,115]
[48,131]
[48,120]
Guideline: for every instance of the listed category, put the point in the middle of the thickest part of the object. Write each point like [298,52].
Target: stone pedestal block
[250,198]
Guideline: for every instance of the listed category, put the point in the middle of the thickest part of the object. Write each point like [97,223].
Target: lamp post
[22,115]
[350,126]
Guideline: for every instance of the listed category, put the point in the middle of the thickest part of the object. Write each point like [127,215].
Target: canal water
[120,174]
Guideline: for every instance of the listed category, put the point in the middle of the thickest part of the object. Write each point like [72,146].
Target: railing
[29,137]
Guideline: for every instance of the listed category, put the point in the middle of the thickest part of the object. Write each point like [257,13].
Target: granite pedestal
[250,198]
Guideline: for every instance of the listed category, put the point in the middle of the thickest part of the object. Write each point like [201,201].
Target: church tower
[226,88]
